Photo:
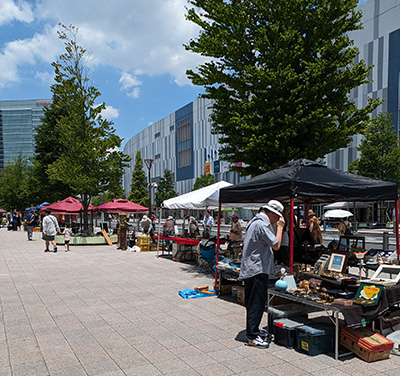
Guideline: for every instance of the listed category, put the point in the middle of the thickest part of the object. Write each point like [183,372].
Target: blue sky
[139,62]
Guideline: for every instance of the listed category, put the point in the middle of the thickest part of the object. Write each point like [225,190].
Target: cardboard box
[365,343]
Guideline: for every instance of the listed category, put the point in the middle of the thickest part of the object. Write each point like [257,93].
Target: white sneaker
[257,342]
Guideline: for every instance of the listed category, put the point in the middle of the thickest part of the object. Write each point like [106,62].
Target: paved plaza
[100,311]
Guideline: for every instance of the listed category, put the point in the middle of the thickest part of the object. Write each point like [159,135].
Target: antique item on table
[368,295]
[387,275]
[320,264]
[338,261]
[281,284]
[361,265]
[344,302]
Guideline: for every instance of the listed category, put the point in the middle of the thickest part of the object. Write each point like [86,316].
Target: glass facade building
[379,46]
[183,143]
[18,120]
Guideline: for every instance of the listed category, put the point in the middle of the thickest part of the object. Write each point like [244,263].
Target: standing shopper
[50,230]
[30,223]
[257,263]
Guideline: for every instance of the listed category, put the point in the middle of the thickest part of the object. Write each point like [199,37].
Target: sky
[138,62]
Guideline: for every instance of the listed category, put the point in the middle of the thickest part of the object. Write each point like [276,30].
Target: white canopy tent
[206,197]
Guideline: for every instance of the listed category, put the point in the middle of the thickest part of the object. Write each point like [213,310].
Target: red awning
[121,205]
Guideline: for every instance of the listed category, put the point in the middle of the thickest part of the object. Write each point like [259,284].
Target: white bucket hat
[275,206]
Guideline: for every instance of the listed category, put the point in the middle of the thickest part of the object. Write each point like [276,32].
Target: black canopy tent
[305,181]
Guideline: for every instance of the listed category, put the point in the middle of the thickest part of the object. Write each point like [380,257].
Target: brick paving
[97,310]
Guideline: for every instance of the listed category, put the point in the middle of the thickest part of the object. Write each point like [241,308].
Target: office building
[379,46]
[183,143]
[18,120]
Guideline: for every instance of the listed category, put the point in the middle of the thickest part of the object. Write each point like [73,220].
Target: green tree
[203,181]
[89,161]
[139,186]
[14,191]
[48,148]
[165,188]
[380,154]
[280,74]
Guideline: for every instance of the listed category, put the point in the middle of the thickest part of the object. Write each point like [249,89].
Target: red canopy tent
[69,205]
[121,205]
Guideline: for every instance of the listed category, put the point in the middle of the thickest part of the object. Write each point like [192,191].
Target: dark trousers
[256,292]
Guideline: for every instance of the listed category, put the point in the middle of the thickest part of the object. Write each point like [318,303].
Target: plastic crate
[144,247]
[365,343]
[284,311]
[284,331]
[143,240]
[315,339]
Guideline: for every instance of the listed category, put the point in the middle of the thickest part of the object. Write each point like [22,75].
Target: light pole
[149,162]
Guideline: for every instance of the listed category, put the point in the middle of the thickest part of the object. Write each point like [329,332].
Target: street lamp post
[149,162]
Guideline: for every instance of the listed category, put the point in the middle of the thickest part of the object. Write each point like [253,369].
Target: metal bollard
[385,240]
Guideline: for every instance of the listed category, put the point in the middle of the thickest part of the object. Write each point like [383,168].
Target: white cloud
[110,113]
[138,37]
[127,80]
[11,11]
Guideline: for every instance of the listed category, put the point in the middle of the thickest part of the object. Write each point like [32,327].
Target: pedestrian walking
[67,236]
[50,230]
[30,221]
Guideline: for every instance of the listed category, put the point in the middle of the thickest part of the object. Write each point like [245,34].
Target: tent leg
[397,229]
[159,231]
[291,242]
[217,251]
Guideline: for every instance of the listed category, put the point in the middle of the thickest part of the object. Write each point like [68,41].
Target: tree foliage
[139,187]
[380,154]
[280,74]
[87,159]
[203,181]
[165,188]
[14,189]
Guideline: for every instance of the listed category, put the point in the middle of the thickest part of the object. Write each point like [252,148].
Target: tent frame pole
[291,243]
[217,250]
[396,203]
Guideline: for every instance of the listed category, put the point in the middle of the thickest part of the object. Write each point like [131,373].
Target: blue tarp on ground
[191,294]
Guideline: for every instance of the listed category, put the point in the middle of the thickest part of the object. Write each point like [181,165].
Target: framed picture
[338,261]
[386,274]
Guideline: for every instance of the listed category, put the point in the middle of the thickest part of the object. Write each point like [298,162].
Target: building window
[184,149]
[184,158]
[157,156]
[157,135]
[171,128]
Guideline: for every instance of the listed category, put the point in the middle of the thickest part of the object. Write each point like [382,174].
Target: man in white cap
[147,227]
[257,263]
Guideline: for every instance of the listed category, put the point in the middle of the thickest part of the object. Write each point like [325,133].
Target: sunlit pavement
[97,310]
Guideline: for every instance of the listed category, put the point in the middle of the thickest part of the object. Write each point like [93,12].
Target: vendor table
[327,308]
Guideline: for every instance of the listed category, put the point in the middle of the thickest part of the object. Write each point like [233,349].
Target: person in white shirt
[50,230]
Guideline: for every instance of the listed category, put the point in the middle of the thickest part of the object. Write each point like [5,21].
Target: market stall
[305,182]
[203,198]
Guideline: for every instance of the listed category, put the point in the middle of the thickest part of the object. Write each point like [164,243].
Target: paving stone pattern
[97,310]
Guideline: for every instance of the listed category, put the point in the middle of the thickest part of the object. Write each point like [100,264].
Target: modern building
[183,143]
[18,120]
[379,46]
